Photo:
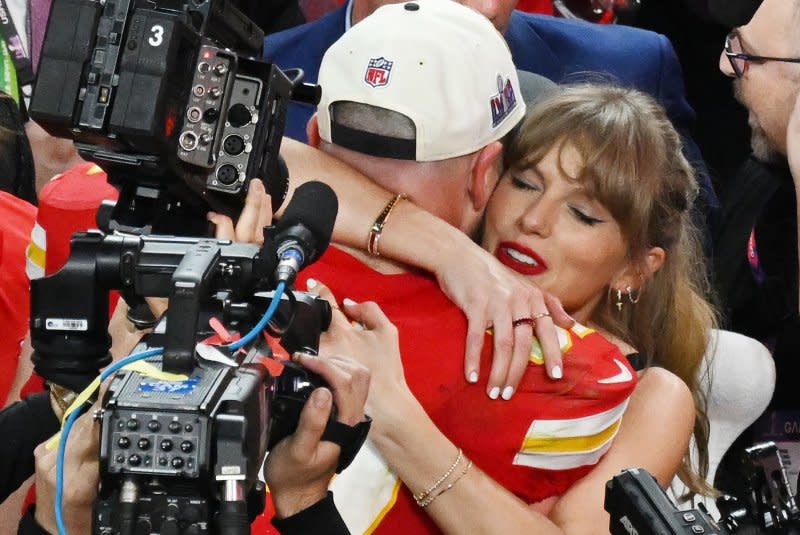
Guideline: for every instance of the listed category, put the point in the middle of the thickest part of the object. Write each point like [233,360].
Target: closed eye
[523,184]
[584,218]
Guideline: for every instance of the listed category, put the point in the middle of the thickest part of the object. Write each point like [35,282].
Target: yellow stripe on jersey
[570,442]
[36,253]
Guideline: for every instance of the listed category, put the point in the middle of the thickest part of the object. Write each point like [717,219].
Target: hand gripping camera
[181,454]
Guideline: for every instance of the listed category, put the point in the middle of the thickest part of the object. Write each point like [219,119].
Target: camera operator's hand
[300,467]
[256,214]
[81,477]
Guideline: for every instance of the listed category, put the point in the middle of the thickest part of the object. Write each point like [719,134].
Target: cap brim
[535,87]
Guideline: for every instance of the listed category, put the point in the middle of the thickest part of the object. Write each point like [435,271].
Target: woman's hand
[364,333]
[256,214]
[493,296]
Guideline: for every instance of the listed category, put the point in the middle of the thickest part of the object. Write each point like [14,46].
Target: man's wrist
[322,513]
[292,502]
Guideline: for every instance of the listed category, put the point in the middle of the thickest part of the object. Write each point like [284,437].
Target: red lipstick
[519,257]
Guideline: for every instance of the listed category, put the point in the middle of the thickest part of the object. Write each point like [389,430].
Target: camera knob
[214,92]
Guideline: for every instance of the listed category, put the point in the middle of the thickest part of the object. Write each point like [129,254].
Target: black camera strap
[349,437]
[19,55]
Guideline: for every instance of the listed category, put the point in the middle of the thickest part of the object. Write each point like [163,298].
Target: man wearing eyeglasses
[756,250]
[764,58]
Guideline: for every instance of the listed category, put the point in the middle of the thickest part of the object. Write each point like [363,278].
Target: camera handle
[232,518]
[70,333]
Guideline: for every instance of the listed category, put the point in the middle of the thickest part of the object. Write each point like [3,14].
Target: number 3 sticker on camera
[157,36]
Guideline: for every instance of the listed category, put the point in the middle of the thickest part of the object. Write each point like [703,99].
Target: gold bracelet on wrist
[376,229]
[429,500]
[425,495]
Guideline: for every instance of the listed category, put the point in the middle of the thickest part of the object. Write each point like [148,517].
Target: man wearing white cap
[418,97]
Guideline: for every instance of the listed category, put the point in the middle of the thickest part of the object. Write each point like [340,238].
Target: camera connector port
[188,141]
[194,114]
[227,175]
[233,145]
[239,115]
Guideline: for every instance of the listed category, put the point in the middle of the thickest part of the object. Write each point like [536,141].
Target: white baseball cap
[440,64]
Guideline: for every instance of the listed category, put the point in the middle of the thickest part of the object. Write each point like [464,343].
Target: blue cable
[273,306]
[62,445]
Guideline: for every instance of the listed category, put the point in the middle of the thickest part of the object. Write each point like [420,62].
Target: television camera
[171,99]
[638,505]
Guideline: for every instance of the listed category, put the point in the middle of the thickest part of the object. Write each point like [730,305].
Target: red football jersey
[18,217]
[536,445]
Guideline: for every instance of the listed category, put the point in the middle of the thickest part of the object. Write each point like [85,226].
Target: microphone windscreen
[313,205]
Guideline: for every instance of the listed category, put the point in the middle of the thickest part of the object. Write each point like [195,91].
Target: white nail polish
[556,372]
[507,393]
[347,301]
[473,377]
[494,392]
[311,283]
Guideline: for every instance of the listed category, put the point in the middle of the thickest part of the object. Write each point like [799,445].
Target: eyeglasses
[740,59]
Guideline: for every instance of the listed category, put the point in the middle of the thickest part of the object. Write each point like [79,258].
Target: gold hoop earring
[630,291]
[619,302]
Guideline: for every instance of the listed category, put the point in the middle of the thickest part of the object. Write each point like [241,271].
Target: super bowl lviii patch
[503,102]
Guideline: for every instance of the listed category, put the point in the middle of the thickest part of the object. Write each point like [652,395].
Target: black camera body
[179,452]
[171,98]
[178,455]
[638,505]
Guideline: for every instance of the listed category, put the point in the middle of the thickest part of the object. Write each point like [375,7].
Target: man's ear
[312,131]
[636,273]
[485,174]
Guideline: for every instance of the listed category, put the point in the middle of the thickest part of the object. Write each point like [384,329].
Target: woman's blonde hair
[634,166]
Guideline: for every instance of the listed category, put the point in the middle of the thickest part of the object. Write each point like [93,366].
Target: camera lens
[227,174]
[233,145]
[188,141]
[239,115]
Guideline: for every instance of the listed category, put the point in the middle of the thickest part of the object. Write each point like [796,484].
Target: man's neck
[380,264]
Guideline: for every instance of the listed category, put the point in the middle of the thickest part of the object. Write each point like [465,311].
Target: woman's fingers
[224,229]
[247,227]
[348,380]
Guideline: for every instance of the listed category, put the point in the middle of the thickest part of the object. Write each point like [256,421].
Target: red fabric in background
[68,204]
[536,6]
[314,9]
[17,218]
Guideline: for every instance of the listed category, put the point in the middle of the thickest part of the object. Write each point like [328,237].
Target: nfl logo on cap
[378,72]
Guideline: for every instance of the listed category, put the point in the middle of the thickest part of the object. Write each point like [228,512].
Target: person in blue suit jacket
[559,49]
